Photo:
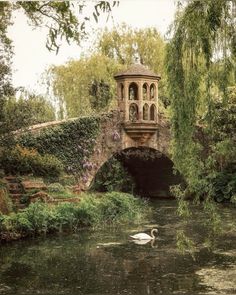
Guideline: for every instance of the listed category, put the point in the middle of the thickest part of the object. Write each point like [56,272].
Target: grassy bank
[40,218]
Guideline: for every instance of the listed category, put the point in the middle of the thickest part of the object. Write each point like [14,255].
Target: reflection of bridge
[135,125]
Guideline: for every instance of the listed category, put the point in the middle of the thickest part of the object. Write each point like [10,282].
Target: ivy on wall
[71,142]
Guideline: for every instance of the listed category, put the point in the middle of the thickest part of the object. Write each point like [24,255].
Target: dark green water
[107,262]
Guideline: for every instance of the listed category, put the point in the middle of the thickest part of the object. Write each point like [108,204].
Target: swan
[143,236]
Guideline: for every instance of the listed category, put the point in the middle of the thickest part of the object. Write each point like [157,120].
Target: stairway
[15,190]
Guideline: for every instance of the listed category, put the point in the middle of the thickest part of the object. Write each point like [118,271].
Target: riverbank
[93,210]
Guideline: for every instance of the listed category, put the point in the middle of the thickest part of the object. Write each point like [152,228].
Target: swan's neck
[152,233]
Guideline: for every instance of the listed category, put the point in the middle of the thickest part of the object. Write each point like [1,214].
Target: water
[107,262]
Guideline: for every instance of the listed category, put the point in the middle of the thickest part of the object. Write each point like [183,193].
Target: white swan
[143,236]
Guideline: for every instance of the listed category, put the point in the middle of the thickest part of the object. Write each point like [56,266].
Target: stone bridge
[113,139]
[134,127]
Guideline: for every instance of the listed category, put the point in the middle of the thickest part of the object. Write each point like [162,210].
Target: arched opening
[152,91]
[133,91]
[153,112]
[122,91]
[133,112]
[145,112]
[142,171]
[145,90]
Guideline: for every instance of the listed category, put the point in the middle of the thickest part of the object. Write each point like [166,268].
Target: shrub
[113,177]
[121,207]
[67,216]
[56,188]
[38,218]
[22,160]
[47,165]
[5,201]
[224,184]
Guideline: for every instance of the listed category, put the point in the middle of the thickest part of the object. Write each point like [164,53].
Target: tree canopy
[87,84]
[63,19]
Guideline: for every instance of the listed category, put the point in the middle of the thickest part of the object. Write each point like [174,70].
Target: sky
[31,57]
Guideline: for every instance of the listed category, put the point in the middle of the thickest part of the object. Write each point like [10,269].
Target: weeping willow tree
[201,59]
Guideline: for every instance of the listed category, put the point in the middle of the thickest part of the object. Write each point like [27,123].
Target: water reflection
[108,262]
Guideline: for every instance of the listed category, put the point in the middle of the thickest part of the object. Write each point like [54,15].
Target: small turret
[137,94]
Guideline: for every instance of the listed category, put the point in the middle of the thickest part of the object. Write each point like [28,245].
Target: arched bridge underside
[152,171]
[148,173]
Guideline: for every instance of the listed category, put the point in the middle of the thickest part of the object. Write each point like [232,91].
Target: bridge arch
[151,171]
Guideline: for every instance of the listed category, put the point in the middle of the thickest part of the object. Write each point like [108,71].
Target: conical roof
[137,70]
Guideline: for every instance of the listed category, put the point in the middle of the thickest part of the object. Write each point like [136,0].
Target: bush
[56,188]
[38,218]
[5,201]
[113,177]
[21,160]
[121,207]
[224,184]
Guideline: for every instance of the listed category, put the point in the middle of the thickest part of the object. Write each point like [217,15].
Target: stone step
[29,185]
[16,196]
[11,179]
[14,185]
[21,207]
[15,192]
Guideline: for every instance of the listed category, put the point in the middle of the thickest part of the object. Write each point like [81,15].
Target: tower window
[122,91]
[153,112]
[145,112]
[152,91]
[133,91]
[133,112]
[145,88]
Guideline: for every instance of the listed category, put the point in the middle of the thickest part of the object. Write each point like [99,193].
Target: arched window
[145,88]
[145,112]
[122,91]
[153,112]
[133,91]
[133,112]
[152,91]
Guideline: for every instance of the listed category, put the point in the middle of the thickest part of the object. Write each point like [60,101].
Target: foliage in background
[39,218]
[100,94]
[6,88]
[112,176]
[222,155]
[200,63]
[73,84]
[63,20]
[24,112]
[71,142]
[87,85]
[5,201]
[20,160]
[127,45]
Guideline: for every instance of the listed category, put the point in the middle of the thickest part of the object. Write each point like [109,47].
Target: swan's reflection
[144,242]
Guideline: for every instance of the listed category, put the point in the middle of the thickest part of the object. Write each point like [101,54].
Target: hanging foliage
[200,65]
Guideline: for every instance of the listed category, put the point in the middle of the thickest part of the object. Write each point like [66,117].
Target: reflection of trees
[76,265]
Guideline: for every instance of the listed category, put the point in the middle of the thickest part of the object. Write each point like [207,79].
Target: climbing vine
[71,142]
[201,66]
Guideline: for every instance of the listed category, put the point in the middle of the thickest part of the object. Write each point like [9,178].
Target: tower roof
[137,70]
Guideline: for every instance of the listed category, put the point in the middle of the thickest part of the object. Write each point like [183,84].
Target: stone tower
[137,94]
